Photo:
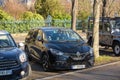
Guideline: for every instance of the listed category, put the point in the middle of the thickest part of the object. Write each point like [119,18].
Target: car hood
[10,53]
[69,47]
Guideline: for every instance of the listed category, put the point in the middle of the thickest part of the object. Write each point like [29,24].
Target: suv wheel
[116,48]
[45,63]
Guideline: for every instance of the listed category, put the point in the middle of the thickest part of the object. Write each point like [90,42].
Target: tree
[96,14]
[48,7]
[31,16]
[14,8]
[4,16]
[74,14]
[84,9]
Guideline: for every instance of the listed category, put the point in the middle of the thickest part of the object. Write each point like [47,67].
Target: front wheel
[116,48]
[45,63]
[29,72]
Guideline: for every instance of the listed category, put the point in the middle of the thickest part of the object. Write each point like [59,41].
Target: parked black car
[13,61]
[58,48]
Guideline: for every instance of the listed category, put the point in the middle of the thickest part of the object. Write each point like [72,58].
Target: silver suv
[109,33]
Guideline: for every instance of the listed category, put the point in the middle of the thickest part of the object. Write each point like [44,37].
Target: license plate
[78,66]
[5,72]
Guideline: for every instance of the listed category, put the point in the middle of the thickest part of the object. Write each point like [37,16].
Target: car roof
[52,28]
[3,32]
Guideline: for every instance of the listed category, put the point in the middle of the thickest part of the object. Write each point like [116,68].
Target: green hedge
[28,20]
[20,26]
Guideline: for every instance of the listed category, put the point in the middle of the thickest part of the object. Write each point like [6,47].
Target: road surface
[105,72]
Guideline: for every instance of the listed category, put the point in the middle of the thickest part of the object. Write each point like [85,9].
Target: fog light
[22,73]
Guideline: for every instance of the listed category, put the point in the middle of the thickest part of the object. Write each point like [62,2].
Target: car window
[118,25]
[35,34]
[61,35]
[6,41]
[107,27]
[30,34]
[39,34]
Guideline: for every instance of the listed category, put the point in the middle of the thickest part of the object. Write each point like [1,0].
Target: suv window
[107,27]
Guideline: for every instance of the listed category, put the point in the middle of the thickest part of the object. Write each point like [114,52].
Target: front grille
[78,57]
[8,64]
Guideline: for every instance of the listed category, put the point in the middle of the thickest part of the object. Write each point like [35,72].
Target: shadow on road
[107,52]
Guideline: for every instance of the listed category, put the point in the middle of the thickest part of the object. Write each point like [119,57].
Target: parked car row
[53,48]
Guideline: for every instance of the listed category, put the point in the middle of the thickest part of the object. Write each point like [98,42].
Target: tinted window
[61,35]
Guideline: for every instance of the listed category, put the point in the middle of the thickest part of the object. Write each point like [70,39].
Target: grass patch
[106,59]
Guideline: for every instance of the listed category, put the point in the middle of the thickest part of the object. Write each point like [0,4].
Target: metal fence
[24,26]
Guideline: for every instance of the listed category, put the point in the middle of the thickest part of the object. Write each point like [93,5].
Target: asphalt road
[105,72]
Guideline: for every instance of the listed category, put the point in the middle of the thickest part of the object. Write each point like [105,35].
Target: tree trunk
[103,12]
[74,14]
[96,28]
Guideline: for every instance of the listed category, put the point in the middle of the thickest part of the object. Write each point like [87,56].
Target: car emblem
[78,54]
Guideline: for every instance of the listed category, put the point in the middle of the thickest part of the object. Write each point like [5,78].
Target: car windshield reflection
[62,35]
[6,41]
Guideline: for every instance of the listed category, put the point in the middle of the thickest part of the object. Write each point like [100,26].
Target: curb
[59,75]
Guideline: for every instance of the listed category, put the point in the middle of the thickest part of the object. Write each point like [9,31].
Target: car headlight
[91,51]
[22,57]
[56,52]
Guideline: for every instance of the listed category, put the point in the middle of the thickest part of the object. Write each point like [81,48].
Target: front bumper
[70,63]
[19,72]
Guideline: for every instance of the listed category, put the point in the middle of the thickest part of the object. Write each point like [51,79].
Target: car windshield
[62,35]
[6,41]
[115,24]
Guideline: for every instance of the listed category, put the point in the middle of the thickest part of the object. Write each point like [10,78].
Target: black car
[58,48]
[13,61]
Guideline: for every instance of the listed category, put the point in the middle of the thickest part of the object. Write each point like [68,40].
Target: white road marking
[59,75]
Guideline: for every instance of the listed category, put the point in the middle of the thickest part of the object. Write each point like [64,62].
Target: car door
[33,46]
[100,33]
[39,44]
[106,34]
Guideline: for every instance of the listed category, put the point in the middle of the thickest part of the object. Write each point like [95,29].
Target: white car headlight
[56,52]
[22,57]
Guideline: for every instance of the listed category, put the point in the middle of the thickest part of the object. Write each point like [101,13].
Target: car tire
[116,48]
[45,62]
[28,73]
[89,64]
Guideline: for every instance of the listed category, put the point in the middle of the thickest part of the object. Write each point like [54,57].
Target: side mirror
[20,44]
